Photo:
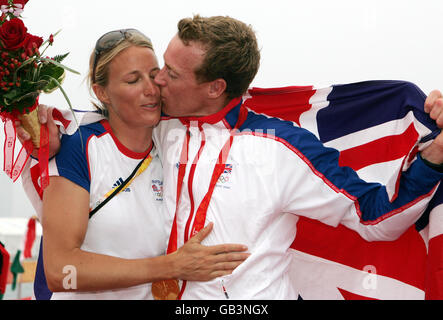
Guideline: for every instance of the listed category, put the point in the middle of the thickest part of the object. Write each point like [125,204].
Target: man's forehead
[183,58]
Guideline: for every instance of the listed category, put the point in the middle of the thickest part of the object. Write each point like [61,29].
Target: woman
[119,251]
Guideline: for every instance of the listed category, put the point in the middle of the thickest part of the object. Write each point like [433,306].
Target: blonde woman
[117,252]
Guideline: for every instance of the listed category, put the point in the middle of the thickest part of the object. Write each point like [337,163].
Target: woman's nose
[151,88]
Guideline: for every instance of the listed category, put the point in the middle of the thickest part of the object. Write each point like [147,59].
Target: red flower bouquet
[24,74]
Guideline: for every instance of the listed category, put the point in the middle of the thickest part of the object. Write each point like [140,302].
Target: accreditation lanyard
[142,166]
[200,216]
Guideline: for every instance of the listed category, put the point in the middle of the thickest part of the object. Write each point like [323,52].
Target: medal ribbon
[172,245]
[43,156]
[14,168]
[200,217]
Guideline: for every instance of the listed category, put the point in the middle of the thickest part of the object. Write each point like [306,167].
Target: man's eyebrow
[171,68]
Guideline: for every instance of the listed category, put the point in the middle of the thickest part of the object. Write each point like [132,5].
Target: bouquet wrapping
[25,73]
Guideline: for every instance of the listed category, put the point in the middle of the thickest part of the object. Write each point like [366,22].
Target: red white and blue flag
[378,127]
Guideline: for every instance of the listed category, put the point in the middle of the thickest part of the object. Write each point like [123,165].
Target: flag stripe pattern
[378,127]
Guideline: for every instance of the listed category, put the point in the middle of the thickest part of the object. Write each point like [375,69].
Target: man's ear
[100,93]
[217,88]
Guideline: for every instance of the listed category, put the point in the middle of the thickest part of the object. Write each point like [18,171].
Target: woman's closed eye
[133,80]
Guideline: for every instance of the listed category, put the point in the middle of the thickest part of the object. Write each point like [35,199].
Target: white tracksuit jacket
[275,173]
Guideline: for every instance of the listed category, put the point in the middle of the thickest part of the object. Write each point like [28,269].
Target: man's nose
[160,77]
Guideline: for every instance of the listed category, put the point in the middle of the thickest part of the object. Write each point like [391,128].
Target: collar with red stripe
[213,118]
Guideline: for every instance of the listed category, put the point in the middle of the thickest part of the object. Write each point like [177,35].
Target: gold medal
[165,289]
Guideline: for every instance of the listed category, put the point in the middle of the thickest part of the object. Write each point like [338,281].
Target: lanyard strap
[141,166]
[200,217]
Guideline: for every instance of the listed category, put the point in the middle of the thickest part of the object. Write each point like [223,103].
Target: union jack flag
[378,127]
[228,168]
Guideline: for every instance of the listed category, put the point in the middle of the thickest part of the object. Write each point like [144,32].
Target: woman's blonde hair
[100,75]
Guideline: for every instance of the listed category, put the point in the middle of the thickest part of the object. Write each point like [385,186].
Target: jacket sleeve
[318,188]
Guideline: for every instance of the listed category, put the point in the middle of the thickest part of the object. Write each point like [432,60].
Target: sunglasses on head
[110,40]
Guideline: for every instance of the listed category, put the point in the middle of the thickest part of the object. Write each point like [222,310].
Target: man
[253,176]
[276,171]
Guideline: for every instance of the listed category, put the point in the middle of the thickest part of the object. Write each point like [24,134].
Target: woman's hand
[196,262]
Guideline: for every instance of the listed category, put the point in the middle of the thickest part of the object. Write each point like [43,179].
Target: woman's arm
[65,221]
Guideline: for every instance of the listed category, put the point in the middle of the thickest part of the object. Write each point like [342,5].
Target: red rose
[22,2]
[4,3]
[13,34]
[32,42]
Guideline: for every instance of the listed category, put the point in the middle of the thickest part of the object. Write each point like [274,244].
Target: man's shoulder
[284,129]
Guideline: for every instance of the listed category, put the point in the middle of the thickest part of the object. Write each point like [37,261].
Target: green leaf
[10,94]
[16,268]
[51,70]
[27,86]
[53,85]
[30,96]
[25,63]
[60,65]
[60,57]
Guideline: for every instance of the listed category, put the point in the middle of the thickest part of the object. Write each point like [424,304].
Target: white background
[315,42]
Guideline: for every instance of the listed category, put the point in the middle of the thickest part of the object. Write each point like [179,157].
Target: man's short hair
[231,50]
